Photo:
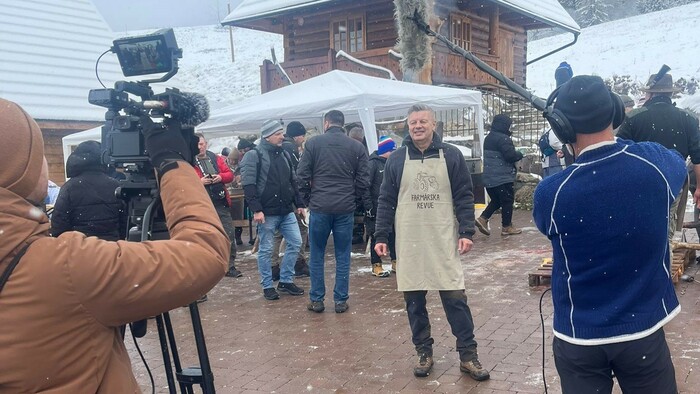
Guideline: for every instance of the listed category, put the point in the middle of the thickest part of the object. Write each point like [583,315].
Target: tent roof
[546,11]
[309,100]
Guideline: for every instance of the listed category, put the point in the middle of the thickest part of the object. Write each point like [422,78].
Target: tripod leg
[184,388]
[207,374]
[166,354]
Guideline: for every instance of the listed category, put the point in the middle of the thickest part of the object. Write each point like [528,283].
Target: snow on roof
[547,11]
[48,51]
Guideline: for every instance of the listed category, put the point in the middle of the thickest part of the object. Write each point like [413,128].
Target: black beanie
[501,123]
[586,103]
[295,129]
[244,143]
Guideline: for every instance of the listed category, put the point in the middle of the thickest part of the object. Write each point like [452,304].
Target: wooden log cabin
[316,30]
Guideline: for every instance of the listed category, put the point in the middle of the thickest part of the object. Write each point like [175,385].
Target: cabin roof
[549,12]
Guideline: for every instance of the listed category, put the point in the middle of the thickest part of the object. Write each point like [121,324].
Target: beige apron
[426,229]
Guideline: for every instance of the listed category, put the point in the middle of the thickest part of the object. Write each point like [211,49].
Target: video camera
[122,138]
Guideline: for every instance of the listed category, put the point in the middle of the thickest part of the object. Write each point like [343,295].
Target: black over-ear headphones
[561,125]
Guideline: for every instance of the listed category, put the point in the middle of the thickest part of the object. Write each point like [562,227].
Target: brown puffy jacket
[61,308]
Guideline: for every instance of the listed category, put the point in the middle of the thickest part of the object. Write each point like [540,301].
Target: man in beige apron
[427,194]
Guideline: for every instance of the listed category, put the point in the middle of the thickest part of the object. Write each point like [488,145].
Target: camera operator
[64,301]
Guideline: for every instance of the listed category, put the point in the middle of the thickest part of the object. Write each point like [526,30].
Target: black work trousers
[642,366]
[224,212]
[454,302]
[502,197]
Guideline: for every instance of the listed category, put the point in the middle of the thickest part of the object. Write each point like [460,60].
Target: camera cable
[150,375]
[544,378]
[98,62]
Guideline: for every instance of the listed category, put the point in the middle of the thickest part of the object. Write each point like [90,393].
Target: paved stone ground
[259,346]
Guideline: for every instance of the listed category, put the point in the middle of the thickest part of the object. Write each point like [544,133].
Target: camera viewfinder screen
[149,56]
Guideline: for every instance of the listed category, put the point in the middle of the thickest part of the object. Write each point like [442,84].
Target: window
[461,31]
[348,34]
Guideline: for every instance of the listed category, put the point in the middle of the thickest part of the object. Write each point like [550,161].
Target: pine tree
[645,6]
[592,12]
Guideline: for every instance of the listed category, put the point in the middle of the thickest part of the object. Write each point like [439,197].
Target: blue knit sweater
[607,218]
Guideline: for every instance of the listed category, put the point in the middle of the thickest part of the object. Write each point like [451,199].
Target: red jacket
[224,172]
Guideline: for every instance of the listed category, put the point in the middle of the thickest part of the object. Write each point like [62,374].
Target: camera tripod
[145,210]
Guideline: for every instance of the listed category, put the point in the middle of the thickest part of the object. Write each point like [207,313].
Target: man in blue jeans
[332,172]
[271,192]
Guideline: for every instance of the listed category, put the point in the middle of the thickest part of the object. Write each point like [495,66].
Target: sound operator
[63,303]
[607,218]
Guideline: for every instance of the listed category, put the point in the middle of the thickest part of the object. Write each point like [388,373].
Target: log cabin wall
[53,133]
[309,50]
[504,50]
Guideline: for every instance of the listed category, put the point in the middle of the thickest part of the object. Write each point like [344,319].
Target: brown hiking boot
[393,265]
[510,230]
[474,369]
[378,271]
[424,366]
[483,225]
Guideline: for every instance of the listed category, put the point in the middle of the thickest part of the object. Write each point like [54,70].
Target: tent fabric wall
[359,97]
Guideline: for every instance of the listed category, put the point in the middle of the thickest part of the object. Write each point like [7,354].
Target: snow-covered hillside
[635,46]
[206,65]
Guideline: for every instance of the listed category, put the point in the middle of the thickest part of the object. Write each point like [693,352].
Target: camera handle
[201,375]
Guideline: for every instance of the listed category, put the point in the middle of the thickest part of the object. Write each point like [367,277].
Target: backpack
[544,146]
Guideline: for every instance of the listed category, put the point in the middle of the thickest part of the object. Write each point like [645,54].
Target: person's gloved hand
[165,142]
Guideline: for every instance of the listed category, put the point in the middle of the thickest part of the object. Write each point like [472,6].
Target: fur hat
[22,151]
[665,85]
[587,104]
[386,144]
[295,129]
[270,127]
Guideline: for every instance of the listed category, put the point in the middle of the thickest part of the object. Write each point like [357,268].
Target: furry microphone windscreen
[194,109]
[413,43]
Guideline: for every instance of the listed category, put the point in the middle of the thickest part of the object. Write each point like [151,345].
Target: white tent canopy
[358,96]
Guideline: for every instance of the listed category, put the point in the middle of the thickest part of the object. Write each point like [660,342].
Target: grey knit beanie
[270,127]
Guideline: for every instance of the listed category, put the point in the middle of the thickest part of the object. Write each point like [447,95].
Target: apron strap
[8,271]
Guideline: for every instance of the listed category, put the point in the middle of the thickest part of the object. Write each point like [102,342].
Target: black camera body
[122,137]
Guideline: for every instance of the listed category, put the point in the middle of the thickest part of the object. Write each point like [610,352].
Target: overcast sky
[125,15]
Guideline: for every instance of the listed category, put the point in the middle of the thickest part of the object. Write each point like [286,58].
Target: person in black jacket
[500,157]
[294,139]
[332,172]
[427,193]
[272,194]
[658,120]
[87,203]
[377,160]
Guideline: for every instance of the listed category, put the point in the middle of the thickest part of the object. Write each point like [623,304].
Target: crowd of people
[608,316]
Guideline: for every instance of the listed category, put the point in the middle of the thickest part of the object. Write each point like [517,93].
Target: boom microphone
[194,109]
[412,22]
[413,43]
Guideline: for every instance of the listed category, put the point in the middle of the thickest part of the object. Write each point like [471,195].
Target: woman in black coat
[86,203]
[500,157]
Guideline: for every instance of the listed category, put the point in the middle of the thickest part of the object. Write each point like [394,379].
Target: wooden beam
[493,31]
